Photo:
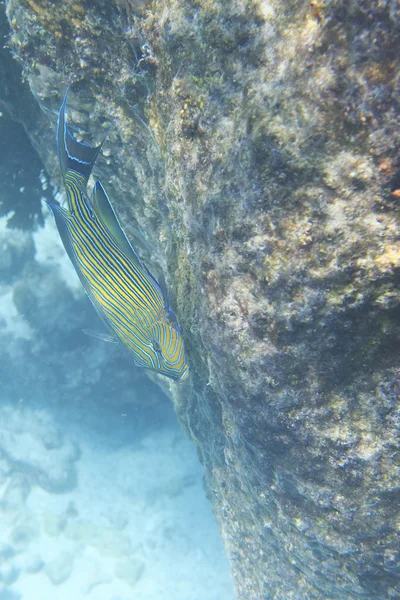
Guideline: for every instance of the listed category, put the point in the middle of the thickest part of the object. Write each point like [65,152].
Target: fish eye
[156,347]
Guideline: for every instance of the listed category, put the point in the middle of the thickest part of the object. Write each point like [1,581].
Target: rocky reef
[254,158]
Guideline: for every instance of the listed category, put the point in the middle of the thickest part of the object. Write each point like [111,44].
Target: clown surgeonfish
[127,297]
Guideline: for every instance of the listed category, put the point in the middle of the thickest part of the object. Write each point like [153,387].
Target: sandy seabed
[106,507]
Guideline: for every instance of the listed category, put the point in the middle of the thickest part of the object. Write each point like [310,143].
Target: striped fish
[127,297]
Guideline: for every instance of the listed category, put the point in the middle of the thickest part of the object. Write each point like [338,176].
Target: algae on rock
[255,146]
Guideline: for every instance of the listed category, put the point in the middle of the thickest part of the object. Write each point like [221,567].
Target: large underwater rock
[255,146]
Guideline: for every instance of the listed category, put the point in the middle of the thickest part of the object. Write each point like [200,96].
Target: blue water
[101,493]
[106,507]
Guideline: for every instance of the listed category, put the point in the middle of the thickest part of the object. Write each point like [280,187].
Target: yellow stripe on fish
[125,294]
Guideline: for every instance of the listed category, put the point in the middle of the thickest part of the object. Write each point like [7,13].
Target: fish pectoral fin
[98,335]
[162,286]
[105,212]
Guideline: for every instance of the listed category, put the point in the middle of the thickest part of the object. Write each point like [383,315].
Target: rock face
[255,145]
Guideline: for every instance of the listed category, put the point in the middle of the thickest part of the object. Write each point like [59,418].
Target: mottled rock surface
[255,144]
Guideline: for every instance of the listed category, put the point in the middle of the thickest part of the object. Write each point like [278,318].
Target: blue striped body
[127,297]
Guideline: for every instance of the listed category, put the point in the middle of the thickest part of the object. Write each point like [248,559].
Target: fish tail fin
[73,155]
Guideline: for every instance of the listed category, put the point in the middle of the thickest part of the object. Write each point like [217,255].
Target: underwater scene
[199,300]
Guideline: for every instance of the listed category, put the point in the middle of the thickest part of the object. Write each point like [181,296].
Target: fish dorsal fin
[105,212]
[154,280]
[162,286]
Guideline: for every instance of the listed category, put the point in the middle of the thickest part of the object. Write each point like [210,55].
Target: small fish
[127,297]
